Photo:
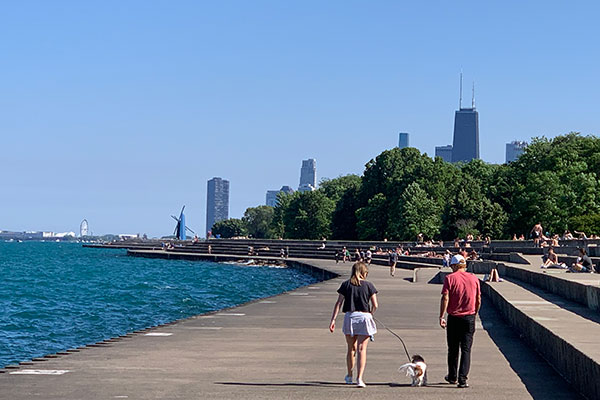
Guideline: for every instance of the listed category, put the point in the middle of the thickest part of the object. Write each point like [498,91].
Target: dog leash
[399,338]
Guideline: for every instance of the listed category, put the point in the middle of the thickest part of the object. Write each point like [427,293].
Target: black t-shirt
[585,261]
[356,298]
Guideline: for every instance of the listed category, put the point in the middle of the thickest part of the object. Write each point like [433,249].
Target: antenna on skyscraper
[473,97]
[460,98]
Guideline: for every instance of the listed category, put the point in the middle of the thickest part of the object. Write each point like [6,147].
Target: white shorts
[359,323]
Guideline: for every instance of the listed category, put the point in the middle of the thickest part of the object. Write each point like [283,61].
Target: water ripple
[56,296]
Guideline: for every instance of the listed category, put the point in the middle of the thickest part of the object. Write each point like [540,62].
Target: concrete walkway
[280,348]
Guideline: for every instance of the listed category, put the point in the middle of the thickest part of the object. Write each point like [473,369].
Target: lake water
[55,296]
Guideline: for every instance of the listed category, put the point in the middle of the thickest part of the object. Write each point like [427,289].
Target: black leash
[399,338]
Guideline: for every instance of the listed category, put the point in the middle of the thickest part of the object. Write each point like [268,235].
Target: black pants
[459,334]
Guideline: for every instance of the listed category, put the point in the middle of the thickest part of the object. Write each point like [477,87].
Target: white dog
[417,370]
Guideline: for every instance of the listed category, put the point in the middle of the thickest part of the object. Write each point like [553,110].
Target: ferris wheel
[83,228]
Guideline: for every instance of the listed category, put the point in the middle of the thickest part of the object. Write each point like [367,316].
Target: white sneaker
[360,383]
[348,379]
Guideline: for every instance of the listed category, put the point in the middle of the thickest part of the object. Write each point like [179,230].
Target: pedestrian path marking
[232,314]
[544,318]
[158,334]
[40,372]
[298,294]
[206,327]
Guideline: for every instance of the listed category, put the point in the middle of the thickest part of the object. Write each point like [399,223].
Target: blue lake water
[55,296]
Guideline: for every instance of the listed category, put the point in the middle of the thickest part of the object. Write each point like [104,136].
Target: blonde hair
[359,272]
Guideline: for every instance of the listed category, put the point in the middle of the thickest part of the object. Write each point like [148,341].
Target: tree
[308,216]
[556,180]
[372,219]
[343,220]
[277,223]
[335,188]
[229,228]
[418,214]
[258,221]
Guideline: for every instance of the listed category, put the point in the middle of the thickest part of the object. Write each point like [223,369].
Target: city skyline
[91,97]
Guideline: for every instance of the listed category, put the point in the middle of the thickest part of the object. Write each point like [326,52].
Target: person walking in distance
[359,300]
[461,298]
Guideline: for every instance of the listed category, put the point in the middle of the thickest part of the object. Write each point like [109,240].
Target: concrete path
[280,348]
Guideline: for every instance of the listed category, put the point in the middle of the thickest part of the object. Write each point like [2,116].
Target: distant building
[272,195]
[306,188]
[465,145]
[403,140]
[272,198]
[308,175]
[217,201]
[445,152]
[286,190]
[514,150]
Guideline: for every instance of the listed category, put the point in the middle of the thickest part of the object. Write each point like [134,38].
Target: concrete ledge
[580,369]
[317,272]
[579,292]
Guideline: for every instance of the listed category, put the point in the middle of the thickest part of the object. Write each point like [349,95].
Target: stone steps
[564,332]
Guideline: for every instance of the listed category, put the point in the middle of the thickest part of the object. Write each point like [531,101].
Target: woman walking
[359,300]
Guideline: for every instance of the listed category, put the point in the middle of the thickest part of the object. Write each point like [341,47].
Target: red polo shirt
[462,288]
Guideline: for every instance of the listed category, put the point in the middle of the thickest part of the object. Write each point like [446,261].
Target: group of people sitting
[583,263]
[541,239]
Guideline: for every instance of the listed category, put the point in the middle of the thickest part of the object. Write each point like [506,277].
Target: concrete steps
[565,333]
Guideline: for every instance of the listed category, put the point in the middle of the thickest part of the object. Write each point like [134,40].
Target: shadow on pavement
[440,385]
[540,379]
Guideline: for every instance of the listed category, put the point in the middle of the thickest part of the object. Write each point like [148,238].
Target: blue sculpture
[180,228]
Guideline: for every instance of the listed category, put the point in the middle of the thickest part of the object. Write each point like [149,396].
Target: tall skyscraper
[465,146]
[445,152]
[217,201]
[308,175]
[514,149]
[403,140]
[272,195]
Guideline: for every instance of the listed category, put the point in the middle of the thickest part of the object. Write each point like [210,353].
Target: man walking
[461,298]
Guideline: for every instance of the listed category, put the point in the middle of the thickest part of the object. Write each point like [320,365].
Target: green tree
[308,216]
[277,222]
[229,228]
[343,220]
[343,191]
[556,180]
[258,221]
[418,214]
[335,188]
[372,219]
[585,223]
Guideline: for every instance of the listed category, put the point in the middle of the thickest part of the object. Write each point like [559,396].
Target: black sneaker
[463,385]
[451,381]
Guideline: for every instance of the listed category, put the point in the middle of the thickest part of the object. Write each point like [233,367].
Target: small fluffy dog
[417,370]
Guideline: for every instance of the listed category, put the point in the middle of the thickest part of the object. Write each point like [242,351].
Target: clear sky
[120,111]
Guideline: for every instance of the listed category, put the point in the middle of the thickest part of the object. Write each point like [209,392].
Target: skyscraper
[217,201]
[272,195]
[445,152]
[308,175]
[465,146]
[403,140]
[514,149]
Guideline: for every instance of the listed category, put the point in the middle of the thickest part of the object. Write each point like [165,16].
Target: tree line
[403,192]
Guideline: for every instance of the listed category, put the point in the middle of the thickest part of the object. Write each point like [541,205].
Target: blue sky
[120,111]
